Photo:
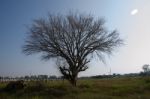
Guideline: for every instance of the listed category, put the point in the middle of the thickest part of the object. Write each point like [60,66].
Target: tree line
[29,78]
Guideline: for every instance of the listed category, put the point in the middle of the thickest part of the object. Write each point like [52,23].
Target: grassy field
[112,88]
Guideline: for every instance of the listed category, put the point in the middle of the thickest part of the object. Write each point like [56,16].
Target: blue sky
[134,29]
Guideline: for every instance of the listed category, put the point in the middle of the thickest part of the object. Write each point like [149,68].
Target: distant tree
[73,40]
[52,77]
[42,77]
[27,78]
[33,77]
[146,68]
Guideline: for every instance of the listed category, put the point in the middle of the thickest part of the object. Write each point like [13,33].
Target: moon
[134,11]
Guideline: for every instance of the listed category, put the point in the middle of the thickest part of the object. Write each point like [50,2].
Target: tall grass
[112,88]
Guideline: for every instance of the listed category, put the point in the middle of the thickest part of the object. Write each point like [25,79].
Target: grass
[112,88]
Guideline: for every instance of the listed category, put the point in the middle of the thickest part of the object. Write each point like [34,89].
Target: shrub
[15,85]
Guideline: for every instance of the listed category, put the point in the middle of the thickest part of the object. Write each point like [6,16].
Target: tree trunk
[73,81]
[71,76]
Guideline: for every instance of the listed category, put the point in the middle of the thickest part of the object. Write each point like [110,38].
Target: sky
[129,17]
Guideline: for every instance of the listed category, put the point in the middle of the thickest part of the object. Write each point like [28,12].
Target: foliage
[15,85]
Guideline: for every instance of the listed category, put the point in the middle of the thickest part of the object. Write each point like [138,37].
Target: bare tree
[146,68]
[72,39]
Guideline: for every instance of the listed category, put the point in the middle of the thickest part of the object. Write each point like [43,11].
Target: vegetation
[108,88]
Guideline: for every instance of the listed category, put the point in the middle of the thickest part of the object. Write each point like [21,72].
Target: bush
[15,85]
